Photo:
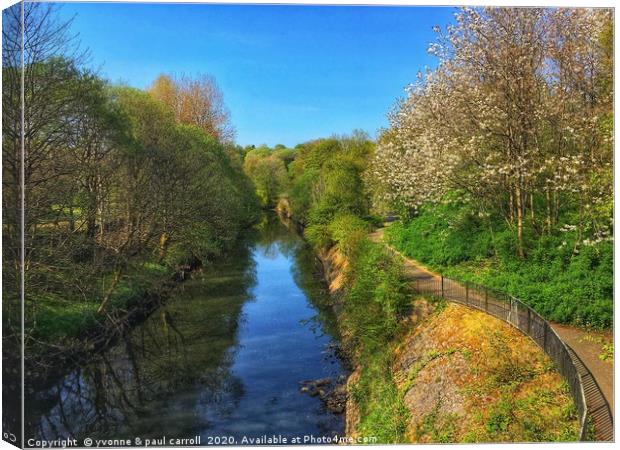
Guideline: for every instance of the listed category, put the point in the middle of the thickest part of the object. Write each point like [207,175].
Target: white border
[520,3]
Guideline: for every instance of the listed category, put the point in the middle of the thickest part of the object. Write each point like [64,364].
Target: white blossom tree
[511,119]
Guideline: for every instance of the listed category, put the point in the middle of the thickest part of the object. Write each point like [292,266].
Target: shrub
[376,297]
[348,231]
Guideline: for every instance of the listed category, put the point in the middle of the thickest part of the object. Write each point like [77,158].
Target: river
[222,358]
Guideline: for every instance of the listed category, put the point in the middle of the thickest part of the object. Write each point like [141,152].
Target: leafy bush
[376,295]
[318,235]
[327,179]
[300,195]
[348,231]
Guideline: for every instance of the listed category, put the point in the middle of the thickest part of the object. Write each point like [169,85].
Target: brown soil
[459,365]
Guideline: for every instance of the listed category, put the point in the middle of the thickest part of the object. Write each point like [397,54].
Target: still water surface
[223,357]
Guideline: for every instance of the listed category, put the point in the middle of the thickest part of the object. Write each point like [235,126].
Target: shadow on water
[224,356]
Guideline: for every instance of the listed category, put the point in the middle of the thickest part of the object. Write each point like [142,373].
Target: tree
[50,70]
[327,178]
[268,173]
[509,119]
[197,102]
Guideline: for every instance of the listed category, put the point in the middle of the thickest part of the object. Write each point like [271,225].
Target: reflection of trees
[275,237]
[164,374]
[308,277]
[279,234]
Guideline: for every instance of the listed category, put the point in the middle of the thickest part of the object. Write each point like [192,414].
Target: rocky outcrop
[333,393]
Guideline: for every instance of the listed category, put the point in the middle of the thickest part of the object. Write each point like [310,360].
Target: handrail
[584,389]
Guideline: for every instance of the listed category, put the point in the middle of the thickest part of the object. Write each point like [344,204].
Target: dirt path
[586,344]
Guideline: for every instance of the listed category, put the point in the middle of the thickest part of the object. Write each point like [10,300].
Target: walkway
[586,345]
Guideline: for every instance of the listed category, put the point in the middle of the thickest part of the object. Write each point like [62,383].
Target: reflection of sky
[208,362]
[279,347]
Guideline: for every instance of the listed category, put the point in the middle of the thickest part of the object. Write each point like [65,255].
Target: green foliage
[562,278]
[500,416]
[383,411]
[443,235]
[328,196]
[376,297]
[61,319]
[327,179]
[139,193]
[300,194]
[318,235]
[531,418]
[268,173]
[202,199]
[348,231]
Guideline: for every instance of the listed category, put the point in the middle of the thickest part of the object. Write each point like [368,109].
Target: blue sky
[288,73]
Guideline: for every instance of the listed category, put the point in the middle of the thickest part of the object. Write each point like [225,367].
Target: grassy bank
[66,324]
[468,377]
[374,300]
[62,320]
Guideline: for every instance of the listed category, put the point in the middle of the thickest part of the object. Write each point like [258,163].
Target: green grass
[375,300]
[61,317]
[383,413]
[561,280]
[537,417]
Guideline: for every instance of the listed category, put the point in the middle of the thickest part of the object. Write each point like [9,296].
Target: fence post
[583,434]
[486,299]
[545,336]
[467,292]
[529,321]
[442,292]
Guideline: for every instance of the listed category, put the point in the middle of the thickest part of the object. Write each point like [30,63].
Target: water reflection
[223,357]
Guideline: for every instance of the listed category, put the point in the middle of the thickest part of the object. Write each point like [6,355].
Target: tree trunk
[519,199]
[106,298]
[548,200]
[164,239]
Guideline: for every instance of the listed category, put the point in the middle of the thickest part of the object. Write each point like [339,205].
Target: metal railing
[591,405]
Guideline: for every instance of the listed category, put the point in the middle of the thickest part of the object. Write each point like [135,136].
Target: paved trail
[585,344]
